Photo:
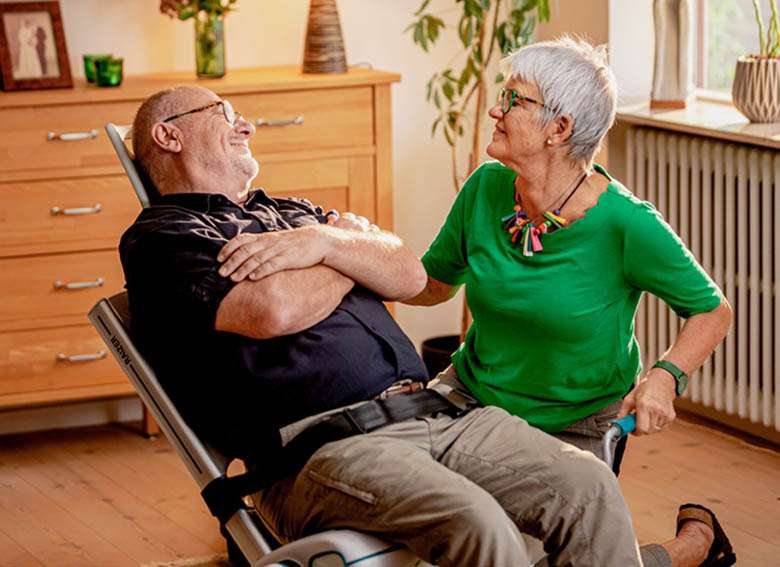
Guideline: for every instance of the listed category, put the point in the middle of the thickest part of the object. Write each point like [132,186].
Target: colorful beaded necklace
[524,231]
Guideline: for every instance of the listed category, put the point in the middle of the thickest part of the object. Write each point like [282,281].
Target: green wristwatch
[680,377]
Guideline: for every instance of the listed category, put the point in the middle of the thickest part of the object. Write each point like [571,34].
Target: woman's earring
[549,142]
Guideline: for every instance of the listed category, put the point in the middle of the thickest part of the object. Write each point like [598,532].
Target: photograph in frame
[33,54]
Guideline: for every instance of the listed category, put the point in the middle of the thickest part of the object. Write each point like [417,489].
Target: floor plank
[692,463]
[14,555]
[106,496]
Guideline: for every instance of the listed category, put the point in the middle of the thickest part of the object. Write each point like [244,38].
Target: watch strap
[680,377]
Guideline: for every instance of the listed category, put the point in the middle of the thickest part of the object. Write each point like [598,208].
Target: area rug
[219,560]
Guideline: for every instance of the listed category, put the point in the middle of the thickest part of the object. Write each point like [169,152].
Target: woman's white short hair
[574,80]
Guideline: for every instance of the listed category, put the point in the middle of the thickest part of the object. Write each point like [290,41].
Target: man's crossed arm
[290,280]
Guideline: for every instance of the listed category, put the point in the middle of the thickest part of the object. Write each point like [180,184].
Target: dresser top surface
[236,81]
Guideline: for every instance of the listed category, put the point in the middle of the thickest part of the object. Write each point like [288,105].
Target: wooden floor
[104,496]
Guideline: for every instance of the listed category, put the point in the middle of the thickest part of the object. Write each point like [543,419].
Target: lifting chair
[249,543]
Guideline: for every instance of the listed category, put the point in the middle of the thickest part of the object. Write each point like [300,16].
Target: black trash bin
[436,352]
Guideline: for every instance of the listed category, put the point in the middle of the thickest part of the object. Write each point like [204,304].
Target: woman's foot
[700,540]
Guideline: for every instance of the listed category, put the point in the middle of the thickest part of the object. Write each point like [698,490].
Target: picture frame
[33,54]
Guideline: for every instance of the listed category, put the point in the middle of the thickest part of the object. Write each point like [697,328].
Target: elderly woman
[555,255]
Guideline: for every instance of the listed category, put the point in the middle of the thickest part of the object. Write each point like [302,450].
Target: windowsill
[709,114]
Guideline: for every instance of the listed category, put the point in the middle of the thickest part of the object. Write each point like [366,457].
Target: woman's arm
[653,398]
[435,292]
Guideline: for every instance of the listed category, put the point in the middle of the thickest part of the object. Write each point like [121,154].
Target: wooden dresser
[64,202]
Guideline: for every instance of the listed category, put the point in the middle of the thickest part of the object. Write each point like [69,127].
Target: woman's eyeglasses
[508,98]
[227,109]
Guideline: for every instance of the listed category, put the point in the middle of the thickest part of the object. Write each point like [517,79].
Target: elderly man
[263,316]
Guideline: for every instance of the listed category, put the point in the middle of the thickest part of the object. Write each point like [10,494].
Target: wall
[268,32]
[631,46]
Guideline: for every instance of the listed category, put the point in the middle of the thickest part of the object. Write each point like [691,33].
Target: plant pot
[209,46]
[756,89]
[436,352]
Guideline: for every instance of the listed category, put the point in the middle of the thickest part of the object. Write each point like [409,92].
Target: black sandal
[721,553]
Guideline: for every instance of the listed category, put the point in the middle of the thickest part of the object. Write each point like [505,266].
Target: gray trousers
[458,491]
[587,434]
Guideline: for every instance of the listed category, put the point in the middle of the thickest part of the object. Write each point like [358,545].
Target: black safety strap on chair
[620,450]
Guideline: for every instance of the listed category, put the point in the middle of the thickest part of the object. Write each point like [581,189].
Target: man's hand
[256,256]
[653,401]
[350,221]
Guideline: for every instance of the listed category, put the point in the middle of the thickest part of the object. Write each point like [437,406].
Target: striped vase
[756,89]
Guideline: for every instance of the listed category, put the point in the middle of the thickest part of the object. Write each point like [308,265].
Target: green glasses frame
[227,109]
[508,98]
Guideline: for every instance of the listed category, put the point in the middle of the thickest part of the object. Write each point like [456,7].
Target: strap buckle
[353,422]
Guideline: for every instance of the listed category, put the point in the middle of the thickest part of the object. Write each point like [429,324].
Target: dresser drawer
[25,133]
[333,118]
[59,358]
[57,289]
[65,214]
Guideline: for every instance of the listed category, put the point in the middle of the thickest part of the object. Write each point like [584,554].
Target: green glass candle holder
[89,64]
[108,72]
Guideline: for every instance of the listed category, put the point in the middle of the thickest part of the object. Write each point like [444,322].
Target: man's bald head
[156,108]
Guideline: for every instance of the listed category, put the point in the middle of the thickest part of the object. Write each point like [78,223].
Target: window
[725,30]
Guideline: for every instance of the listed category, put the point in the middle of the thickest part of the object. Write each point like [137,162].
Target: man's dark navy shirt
[233,390]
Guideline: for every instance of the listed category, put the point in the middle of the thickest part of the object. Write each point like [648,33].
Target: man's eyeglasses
[508,98]
[227,109]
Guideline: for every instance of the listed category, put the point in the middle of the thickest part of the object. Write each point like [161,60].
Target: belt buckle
[404,386]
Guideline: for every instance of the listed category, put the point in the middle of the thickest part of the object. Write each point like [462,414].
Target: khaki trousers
[457,491]
[587,434]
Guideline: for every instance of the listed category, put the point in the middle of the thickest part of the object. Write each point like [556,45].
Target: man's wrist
[330,237]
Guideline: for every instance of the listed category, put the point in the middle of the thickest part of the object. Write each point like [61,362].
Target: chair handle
[74,211]
[78,285]
[275,123]
[72,136]
[87,357]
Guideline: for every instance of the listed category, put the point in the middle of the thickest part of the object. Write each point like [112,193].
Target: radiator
[722,199]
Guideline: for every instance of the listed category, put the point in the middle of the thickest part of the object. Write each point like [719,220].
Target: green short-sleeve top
[553,334]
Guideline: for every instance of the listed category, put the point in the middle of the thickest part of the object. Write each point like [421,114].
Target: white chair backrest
[118,135]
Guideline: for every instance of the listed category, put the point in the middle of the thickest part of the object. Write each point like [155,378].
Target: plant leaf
[435,124]
[422,7]
[448,91]
[464,78]
[447,135]
[462,30]
[544,10]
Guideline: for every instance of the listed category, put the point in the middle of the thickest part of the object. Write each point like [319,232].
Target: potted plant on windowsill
[487,29]
[756,89]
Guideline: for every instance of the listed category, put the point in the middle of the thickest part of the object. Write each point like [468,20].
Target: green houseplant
[756,87]
[487,30]
[209,16]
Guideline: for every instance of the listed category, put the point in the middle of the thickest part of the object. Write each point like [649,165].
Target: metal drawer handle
[271,123]
[72,136]
[78,285]
[77,210]
[81,357]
